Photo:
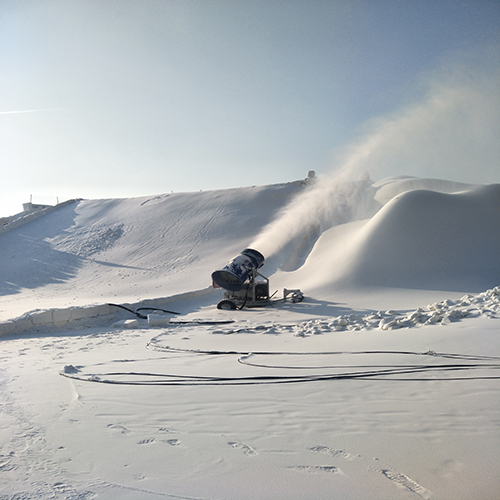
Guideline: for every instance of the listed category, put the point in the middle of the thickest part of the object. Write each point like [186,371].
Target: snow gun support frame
[254,293]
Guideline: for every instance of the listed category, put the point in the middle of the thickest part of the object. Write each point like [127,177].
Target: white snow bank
[390,187]
[86,316]
[430,240]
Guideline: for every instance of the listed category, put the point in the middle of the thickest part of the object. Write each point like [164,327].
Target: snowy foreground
[382,384]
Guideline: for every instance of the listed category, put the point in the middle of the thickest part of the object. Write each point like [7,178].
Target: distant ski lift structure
[244,285]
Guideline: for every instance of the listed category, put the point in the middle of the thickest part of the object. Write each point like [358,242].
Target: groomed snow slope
[127,250]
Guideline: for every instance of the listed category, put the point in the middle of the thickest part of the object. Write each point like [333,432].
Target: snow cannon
[233,276]
[244,285]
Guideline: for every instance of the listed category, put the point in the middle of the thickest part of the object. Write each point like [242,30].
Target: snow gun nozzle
[234,274]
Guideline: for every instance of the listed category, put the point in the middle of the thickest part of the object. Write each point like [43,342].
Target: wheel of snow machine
[297,297]
[227,305]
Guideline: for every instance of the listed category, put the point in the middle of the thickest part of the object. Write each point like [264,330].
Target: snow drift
[432,240]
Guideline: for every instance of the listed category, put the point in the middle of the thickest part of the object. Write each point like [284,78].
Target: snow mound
[390,187]
[430,240]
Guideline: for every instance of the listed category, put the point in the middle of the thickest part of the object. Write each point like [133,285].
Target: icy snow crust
[362,391]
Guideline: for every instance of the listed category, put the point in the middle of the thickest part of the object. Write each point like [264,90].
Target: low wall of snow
[85,316]
[54,318]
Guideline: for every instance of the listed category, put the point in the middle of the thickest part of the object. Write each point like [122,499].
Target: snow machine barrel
[244,285]
[236,272]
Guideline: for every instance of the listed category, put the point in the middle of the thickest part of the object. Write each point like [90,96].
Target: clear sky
[120,98]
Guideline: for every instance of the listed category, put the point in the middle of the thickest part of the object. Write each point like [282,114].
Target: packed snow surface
[382,384]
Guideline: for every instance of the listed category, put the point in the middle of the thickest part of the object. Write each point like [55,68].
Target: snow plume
[452,132]
[327,201]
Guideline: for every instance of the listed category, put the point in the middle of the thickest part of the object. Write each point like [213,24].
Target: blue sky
[120,98]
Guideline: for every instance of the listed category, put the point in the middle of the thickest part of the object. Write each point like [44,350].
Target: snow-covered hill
[129,250]
[382,384]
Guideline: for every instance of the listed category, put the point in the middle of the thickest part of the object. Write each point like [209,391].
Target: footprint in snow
[334,452]
[317,469]
[247,449]
[119,428]
[404,482]
[166,430]
[147,441]
[172,442]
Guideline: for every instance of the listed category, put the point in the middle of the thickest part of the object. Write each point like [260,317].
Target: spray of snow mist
[453,128]
[327,201]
